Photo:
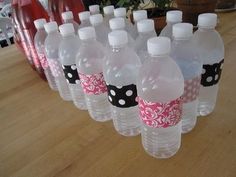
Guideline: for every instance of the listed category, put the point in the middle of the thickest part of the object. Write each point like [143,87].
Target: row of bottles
[24,12]
[124,72]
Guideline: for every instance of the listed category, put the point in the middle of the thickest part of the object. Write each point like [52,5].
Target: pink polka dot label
[55,67]
[43,60]
[160,115]
[191,89]
[93,84]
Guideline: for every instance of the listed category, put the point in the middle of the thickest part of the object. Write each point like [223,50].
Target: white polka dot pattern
[191,89]
[55,67]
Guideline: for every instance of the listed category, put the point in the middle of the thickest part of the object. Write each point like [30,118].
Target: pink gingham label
[160,115]
[191,89]
[93,84]
[55,67]
[43,60]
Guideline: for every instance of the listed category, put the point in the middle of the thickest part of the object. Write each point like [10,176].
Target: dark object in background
[3,43]
[225,4]
[87,3]
[192,8]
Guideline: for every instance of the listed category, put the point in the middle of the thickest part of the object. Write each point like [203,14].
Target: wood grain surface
[43,136]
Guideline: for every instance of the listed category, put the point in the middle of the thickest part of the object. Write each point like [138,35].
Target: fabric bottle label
[211,74]
[55,67]
[191,89]
[160,115]
[122,96]
[71,74]
[93,84]
[43,60]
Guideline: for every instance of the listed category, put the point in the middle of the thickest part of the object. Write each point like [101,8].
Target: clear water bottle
[101,29]
[139,15]
[108,14]
[67,17]
[39,46]
[172,17]
[129,27]
[211,50]
[94,9]
[89,61]
[186,56]
[119,24]
[68,49]
[120,72]
[146,31]
[84,19]
[52,42]
[160,86]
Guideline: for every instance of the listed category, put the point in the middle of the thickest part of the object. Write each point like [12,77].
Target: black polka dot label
[122,96]
[211,74]
[71,74]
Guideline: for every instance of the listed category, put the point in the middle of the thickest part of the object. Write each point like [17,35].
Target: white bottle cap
[159,46]
[120,12]
[67,15]
[94,9]
[118,38]
[96,19]
[145,26]
[207,20]
[174,16]
[139,15]
[39,23]
[84,15]
[182,30]
[87,33]
[117,23]
[108,10]
[66,29]
[50,27]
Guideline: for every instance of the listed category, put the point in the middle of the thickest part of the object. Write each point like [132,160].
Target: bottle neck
[205,29]
[171,23]
[146,33]
[183,39]
[84,21]
[158,57]
[53,32]
[69,20]
[90,40]
[118,48]
[68,35]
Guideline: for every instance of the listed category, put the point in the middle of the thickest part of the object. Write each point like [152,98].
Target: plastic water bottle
[89,64]
[146,31]
[139,15]
[94,9]
[160,86]
[39,39]
[68,49]
[108,14]
[101,29]
[84,19]
[129,27]
[120,72]
[67,17]
[119,24]
[211,49]
[172,17]
[52,42]
[186,56]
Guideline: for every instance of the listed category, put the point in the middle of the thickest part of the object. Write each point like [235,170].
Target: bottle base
[81,106]
[100,117]
[129,132]
[188,124]
[205,109]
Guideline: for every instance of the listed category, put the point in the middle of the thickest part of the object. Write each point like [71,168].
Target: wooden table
[43,136]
